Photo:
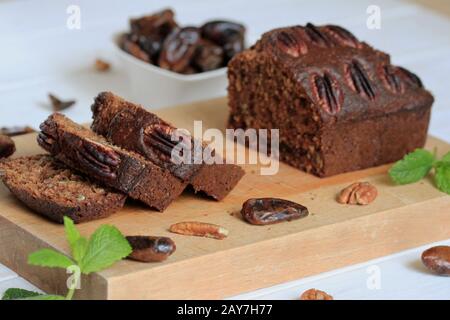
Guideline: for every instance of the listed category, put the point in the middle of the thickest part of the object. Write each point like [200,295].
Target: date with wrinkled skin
[159,24]
[229,35]
[437,259]
[179,49]
[150,249]
[208,56]
[130,45]
[199,229]
[7,146]
[264,211]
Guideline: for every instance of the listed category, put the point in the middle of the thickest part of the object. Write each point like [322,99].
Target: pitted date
[264,211]
[179,49]
[227,34]
[150,249]
[208,56]
[159,40]
[7,146]
[159,24]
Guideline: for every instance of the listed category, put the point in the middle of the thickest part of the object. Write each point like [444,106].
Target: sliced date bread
[83,150]
[54,191]
[132,127]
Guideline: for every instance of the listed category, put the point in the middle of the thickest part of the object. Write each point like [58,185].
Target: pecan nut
[437,259]
[165,146]
[341,36]
[98,158]
[150,249]
[359,81]
[7,146]
[327,92]
[314,294]
[361,193]
[290,42]
[264,211]
[316,36]
[200,229]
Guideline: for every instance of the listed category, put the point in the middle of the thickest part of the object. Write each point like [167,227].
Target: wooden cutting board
[252,257]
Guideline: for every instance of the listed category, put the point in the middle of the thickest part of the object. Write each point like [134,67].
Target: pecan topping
[437,259]
[314,294]
[290,42]
[411,78]
[396,79]
[99,158]
[359,80]
[341,36]
[361,193]
[265,211]
[157,144]
[316,36]
[200,229]
[391,80]
[150,249]
[328,93]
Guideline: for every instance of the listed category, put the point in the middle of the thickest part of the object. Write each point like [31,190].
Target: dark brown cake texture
[83,150]
[54,191]
[130,126]
[340,105]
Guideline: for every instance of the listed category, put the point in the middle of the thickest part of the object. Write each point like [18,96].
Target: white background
[38,54]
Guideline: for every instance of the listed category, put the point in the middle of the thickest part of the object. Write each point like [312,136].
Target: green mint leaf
[77,243]
[413,167]
[79,249]
[446,158]
[442,176]
[106,246]
[49,258]
[17,293]
[72,233]
[46,297]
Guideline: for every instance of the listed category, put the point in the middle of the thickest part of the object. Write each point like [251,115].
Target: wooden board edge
[16,244]
[338,245]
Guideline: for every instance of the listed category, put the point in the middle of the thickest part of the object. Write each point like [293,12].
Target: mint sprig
[416,165]
[106,246]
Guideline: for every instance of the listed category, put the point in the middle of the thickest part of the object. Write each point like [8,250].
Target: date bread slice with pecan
[126,171]
[51,189]
[130,126]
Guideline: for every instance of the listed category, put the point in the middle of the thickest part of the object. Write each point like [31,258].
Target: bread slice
[83,150]
[134,128]
[51,189]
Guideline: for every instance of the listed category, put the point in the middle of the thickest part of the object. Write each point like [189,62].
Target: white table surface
[40,55]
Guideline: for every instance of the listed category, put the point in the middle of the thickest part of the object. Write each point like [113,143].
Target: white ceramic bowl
[155,87]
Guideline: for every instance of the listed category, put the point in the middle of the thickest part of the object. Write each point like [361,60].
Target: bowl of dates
[169,64]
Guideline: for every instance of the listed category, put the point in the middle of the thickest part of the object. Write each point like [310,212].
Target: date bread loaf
[83,150]
[131,127]
[51,189]
[339,104]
